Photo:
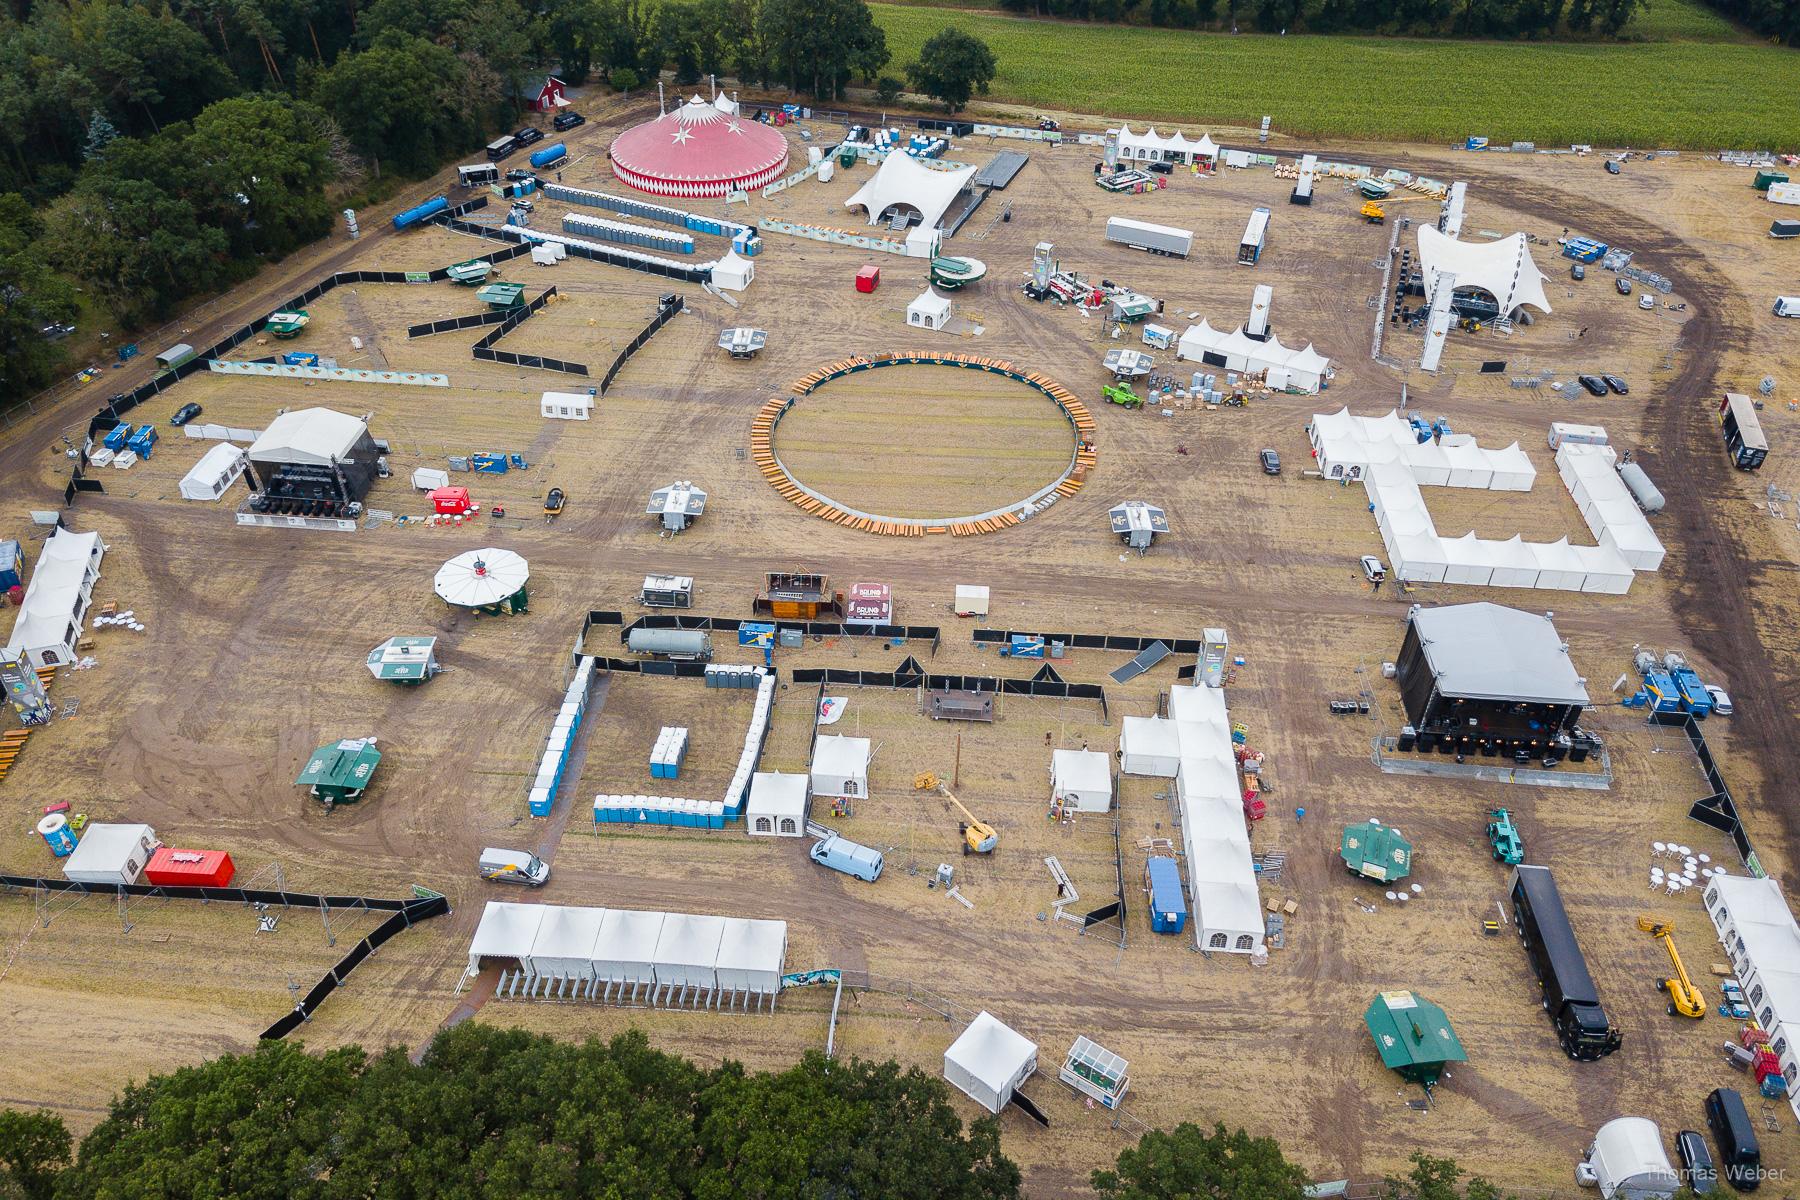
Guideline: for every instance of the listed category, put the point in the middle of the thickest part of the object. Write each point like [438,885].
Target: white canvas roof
[66,567]
[929,304]
[106,850]
[992,1055]
[1205,775]
[564,945]
[215,471]
[313,436]
[1629,1160]
[1080,771]
[751,955]
[902,179]
[837,755]
[1203,704]
[506,931]
[1306,368]
[777,794]
[1136,145]
[625,947]
[687,950]
[1504,269]
[1759,913]
[1150,738]
[1485,651]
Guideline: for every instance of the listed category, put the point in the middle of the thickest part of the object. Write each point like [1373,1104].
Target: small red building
[868,603]
[550,96]
[451,501]
[868,279]
[169,867]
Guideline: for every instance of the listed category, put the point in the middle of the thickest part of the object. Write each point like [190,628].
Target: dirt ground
[255,641]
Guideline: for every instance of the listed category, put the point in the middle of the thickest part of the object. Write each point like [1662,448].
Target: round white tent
[481,578]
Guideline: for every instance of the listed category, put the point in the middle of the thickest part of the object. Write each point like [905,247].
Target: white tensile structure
[1385,455]
[777,805]
[630,957]
[566,406]
[1503,269]
[972,600]
[57,598]
[1149,746]
[314,437]
[1283,368]
[214,474]
[988,1060]
[1227,910]
[928,310]
[1081,780]
[1151,146]
[1759,934]
[840,766]
[111,854]
[904,181]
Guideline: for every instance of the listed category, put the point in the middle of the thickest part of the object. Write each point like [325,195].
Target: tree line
[498,1113]
[1452,18]
[1778,19]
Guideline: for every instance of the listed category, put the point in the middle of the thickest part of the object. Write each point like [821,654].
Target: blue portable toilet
[115,437]
[12,565]
[1168,907]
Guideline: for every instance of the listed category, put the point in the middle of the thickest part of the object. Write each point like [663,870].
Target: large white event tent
[687,955]
[1284,368]
[902,180]
[1503,269]
[506,931]
[625,952]
[1151,146]
[1227,909]
[751,954]
[988,1060]
[562,953]
[55,606]
[1393,465]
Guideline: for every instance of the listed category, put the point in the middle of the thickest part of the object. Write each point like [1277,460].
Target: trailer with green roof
[339,772]
[1376,851]
[1413,1037]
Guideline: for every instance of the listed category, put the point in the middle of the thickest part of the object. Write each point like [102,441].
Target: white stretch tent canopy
[625,947]
[506,931]
[751,954]
[311,436]
[1503,269]
[1305,370]
[1758,931]
[216,471]
[928,310]
[687,951]
[564,945]
[1227,908]
[57,598]
[840,766]
[1151,146]
[988,1060]
[734,272]
[1149,746]
[111,854]
[777,805]
[902,179]
[1081,780]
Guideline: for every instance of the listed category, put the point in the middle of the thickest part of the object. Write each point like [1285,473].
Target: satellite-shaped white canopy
[1128,364]
[1503,269]
[902,179]
[478,578]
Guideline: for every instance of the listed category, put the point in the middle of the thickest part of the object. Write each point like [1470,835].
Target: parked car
[1271,462]
[184,414]
[528,135]
[1647,301]
[1612,168]
[1047,125]
[568,120]
[1592,383]
[1372,569]
[520,175]
[1721,699]
[1623,284]
[1616,384]
[1697,1171]
[1160,168]
[57,331]
[1577,271]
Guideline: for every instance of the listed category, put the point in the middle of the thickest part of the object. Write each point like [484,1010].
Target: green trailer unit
[501,295]
[405,659]
[1765,178]
[1375,189]
[174,356]
[471,273]
[287,323]
[1376,851]
[339,772]
[1503,836]
[1413,1037]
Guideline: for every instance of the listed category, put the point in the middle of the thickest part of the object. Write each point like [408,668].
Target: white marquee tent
[903,180]
[928,310]
[506,931]
[1504,269]
[777,805]
[54,608]
[214,474]
[1149,746]
[1081,780]
[564,945]
[1592,475]
[1227,908]
[1151,146]
[310,436]
[1758,931]
[988,1060]
[1283,367]
[687,953]
[840,766]
[625,948]
[751,954]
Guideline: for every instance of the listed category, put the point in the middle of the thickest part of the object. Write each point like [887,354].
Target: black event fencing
[600,254]
[1094,641]
[515,317]
[415,910]
[1718,810]
[654,666]
[666,311]
[917,633]
[452,324]
[1054,689]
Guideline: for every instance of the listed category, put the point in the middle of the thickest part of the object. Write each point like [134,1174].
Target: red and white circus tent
[698,150]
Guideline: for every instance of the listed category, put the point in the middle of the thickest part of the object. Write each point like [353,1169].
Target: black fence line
[1095,641]
[929,633]
[452,324]
[413,910]
[513,318]
[1051,689]
[597,254]
[1718,810]
[228,895]
[666,310]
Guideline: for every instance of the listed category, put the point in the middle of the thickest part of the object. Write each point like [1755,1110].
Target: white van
[513,866]
[1787,306]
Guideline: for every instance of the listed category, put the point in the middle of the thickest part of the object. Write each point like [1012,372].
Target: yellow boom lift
[1684,997]
[978,836]
[1375,211]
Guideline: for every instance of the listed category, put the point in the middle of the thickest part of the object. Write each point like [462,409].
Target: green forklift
[1503,837]
[1121,395]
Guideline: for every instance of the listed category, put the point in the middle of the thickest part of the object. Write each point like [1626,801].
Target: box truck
[1582,1026]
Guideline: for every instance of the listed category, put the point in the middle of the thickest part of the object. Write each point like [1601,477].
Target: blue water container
[55,831]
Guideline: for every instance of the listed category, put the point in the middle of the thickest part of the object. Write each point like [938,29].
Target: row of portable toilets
[562,736]
[627,234]
[702,814]
[669,752]
[743,238]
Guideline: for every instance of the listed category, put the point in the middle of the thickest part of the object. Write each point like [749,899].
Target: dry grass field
[254,650]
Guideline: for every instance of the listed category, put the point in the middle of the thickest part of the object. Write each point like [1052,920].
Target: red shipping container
[452,501]
[169,867]
[868,279]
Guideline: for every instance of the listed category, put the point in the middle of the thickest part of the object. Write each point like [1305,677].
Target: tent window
[762,825]
[1756,994]
[787,825]
[1216,942]
[1768,1016]
[1245,941]
[50,658]
[849,787]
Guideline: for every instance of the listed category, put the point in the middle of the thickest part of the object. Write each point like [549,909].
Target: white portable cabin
[840,766]
[1149,746]
[751,957]
[1629,1162]
[1081,780]
[972,601]
[111,854]
[928,310]
[506,931]
[687,955]
[567,406]
[1581,435]
[777,806]
[564,946]
[214,474]
[624,951]
[988,1060]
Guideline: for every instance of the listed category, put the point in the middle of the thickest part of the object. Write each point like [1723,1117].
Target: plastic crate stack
[669,753]
[562,736]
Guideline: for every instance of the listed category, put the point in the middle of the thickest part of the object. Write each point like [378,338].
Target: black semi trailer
[1569,994]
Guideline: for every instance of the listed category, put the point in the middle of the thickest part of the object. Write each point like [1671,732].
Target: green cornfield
[1695,95]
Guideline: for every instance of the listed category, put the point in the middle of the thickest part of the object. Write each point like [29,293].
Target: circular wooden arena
[899,454]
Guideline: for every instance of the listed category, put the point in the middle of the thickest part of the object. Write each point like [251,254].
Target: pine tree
[100,135]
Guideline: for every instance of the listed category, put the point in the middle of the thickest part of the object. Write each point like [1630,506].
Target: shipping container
[477,175]
[500,147]
[1582,1026]
[1743,431]
[169,867]
[1256,236]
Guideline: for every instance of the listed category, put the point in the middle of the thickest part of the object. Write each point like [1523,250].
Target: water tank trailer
[424,212]
[549,155]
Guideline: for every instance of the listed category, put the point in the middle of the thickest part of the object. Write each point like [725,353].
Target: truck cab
[513,866]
